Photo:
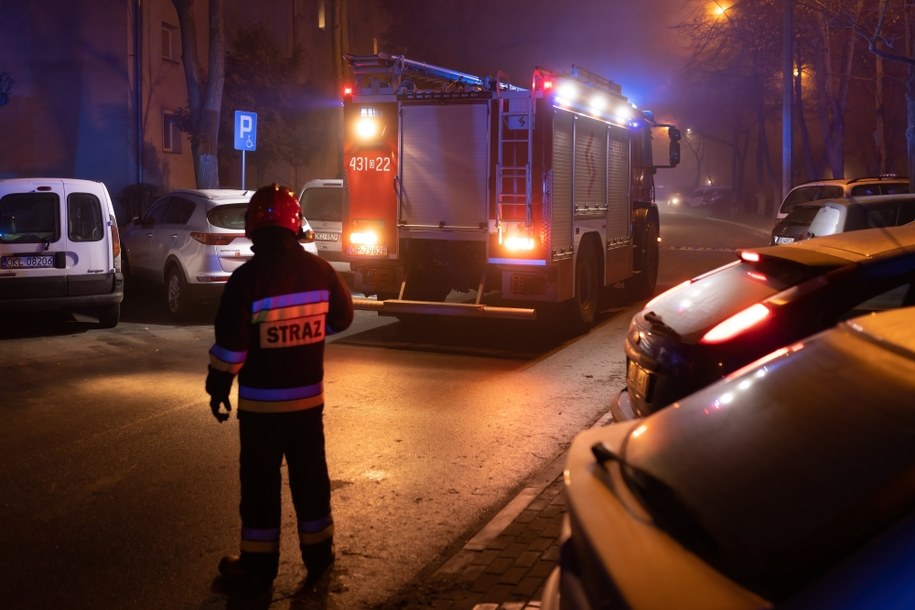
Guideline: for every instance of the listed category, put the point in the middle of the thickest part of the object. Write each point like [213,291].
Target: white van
[322,206]
[59,248]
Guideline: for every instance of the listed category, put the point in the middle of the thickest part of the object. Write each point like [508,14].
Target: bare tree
[889,29]
[204,88]
[731,62]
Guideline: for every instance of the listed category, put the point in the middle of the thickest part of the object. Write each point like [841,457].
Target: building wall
[68,110]
[76,107]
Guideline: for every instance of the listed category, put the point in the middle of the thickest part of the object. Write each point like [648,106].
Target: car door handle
[173,235]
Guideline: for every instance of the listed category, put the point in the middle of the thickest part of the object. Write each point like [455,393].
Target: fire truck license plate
[359,250]
[27,261]
[639,379]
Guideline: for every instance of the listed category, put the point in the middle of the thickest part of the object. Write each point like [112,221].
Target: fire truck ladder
[515,150]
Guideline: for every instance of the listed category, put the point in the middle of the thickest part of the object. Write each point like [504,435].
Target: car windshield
[782,472]
[715,297]
[228,216]
[323,203]
[803,194]
[826,221]
[802,215]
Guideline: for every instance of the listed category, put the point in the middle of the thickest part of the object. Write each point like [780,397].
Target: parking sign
[245,130]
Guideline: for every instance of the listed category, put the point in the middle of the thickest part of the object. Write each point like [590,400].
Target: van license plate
[27,261]
[321,236]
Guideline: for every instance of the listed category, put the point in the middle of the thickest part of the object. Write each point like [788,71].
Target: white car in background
[189,242]
[889,184]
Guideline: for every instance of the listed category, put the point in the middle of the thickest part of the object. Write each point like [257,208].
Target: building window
[170,43]
[322,15]
[171,133]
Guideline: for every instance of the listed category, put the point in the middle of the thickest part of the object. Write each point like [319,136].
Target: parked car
[695,333]
[888,184]
[322,205]
[830,216]
[794,227]
[189,242]
[59,248]
[696,198]
[788,484]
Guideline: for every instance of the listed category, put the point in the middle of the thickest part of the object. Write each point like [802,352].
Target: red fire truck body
[510,200]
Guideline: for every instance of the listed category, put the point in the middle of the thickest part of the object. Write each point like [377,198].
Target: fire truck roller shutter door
[444,168]
[561,209]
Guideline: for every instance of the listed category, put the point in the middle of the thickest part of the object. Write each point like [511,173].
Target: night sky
[628,41]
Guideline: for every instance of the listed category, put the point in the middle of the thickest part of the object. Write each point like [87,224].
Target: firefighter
[270,328]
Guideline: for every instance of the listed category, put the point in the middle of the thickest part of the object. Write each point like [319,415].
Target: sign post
[245,136]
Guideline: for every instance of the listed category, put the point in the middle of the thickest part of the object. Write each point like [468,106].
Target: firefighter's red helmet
[273,206]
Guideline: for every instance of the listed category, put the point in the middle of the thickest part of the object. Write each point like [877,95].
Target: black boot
[250,569]
[318,558]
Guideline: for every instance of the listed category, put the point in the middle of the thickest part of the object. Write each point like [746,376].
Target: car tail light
[749,256]
[307,236]
[737,324]
[215,239]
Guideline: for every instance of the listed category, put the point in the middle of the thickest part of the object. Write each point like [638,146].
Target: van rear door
[86,237]
[32,250]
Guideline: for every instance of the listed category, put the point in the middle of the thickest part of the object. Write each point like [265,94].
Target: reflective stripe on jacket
[271,325]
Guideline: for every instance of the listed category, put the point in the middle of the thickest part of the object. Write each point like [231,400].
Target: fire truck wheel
[642,285]
[587,289]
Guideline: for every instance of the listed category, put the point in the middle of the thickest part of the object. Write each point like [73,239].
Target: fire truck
[470,196]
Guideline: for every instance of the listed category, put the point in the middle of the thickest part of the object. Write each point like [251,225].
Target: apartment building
[97,86]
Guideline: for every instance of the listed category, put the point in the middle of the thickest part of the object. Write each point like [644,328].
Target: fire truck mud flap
[395,307]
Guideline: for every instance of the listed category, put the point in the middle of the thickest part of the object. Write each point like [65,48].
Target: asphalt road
[119,490]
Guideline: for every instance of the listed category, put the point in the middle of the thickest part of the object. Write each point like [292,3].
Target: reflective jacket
[273,317]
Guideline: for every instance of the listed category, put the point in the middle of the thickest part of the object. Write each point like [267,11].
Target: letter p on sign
[245,130]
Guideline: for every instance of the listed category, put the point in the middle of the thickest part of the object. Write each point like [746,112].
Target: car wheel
[176,293]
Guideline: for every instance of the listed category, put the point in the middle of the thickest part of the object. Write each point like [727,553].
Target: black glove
[219,384]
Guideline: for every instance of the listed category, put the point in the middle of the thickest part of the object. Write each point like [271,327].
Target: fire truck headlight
[567,91]
[519,243]
[623,114]
[367,128]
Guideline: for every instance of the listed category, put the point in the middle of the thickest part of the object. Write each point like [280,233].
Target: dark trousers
[266,438]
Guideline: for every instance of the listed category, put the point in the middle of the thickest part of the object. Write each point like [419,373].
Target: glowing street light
[718,10]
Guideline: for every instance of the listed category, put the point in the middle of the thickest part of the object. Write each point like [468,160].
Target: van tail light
[307,236]
[115,239]
[738,323]
[215,239]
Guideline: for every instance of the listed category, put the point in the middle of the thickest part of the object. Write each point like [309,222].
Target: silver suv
[190,242]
